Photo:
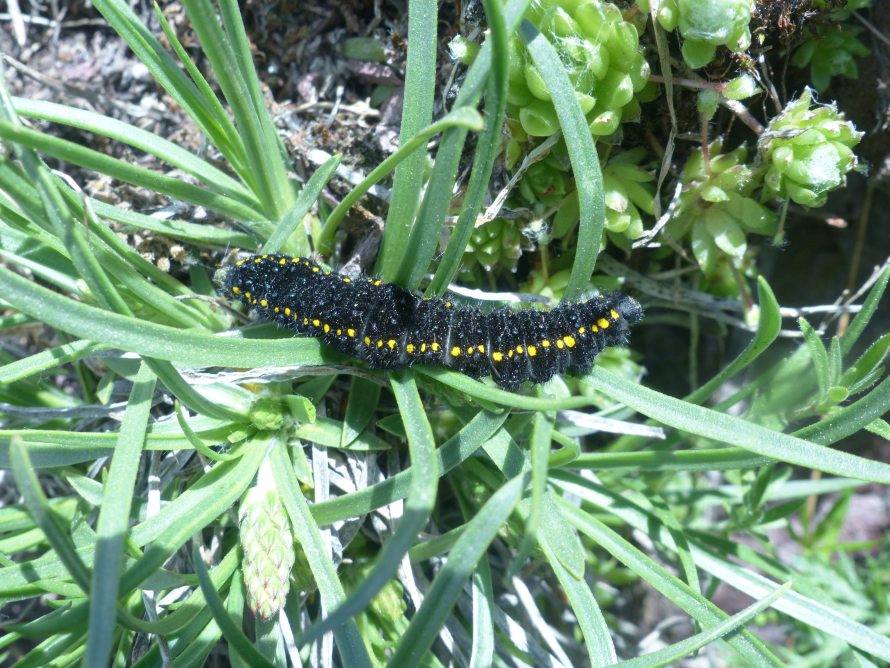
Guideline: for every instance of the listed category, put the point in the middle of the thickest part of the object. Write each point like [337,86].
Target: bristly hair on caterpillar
[388,327]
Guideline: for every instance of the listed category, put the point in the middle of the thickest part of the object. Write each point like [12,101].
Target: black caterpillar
[388,327]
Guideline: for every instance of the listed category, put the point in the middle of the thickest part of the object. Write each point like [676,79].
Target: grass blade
[114,514]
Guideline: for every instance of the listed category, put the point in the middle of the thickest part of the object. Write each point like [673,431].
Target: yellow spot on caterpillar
[247,294]
[510,353]
[423,347]
[391,344]
[470,351]
[240,262]
[339,332]
[481,348]
[236,290]
[265,257]
[380,343]
[497,356]
[545,343]
[327,328]
[327,273]
[435,347]
[287,310]
[378,282]
[532,351]
[367,340]
[560,344]
[316,322]
[570,341]
[614,314]
[296,260]
[410,348]
[306,262]
[520,349]
[448,304]
[455,352]
[257,260]
[602,322]
[350,333]
[594,328]
[316,269]
[254,301]
[581,330]
[347,280]
[277,310]
[305,321]
[282,261]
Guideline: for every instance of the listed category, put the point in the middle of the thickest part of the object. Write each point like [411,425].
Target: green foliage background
[529,498]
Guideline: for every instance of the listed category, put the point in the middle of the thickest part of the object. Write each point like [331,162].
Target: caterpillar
[388,327]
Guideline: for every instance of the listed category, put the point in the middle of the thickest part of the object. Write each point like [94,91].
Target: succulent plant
[830,53]
[705,25]
[808,151]
[497,243]
[716,210]
[627,191]
[601,54]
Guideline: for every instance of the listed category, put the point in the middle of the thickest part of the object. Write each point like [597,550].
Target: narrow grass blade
[450,581]
[459,118]
[114,514]
[234,636]
[582,154]
[417,113]
[418,506]
[349,641]
[44,516]
[198,348]
[768,328]
[670,655]
[735,431]
[308,196]
[486,152]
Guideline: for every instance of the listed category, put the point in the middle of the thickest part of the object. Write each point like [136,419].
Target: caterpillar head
[630,309]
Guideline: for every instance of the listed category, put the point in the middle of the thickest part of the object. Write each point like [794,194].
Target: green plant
[226,424]
[705,25]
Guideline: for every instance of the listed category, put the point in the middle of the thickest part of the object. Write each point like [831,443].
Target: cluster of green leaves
[803,154]
[106,548]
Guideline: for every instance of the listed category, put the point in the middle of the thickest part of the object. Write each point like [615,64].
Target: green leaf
[860,322]
[349,641]
[869,361]
[735,431]
[464,117]
[114,515]
[310,193]
[418,506]
[417,113]
[474,541]
[818,354]
[582,154]
[768,328]
[673,653]
[235,637]
[360,408]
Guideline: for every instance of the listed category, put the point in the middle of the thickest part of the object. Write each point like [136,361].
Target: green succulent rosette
[830,54]
[807,151]
[601,55]
[497,243]
[705,25]
[628,193]
[716,211]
